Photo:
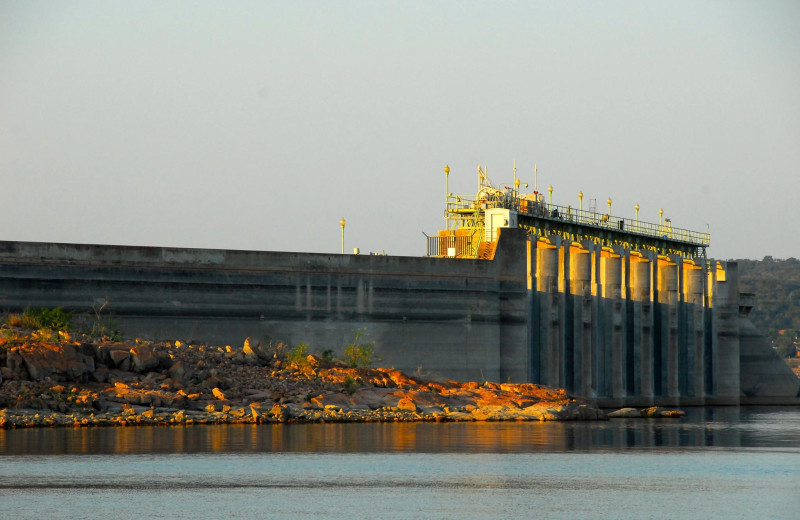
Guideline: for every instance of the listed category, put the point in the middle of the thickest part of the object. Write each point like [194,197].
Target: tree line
[776,313]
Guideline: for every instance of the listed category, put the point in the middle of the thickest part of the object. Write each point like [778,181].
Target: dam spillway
[514,289]
[624,327]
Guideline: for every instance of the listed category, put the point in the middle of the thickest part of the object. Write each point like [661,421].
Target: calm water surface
[715,463]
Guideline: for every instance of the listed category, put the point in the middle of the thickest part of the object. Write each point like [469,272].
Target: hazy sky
[258,125]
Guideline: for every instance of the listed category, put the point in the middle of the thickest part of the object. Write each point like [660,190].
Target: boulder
[7,373]
[480,415]
[115,375]
[120,359]
[659,412]
[280,412]
[61,362]
[248,351]
[258,395]
[89,349]
[625,413]
[15,366]
[374,398]
[100,373]
[400,379]
[180,372]
[104,350]
[654,412]
[212,382]
[407,405]
[217,393]
[256,354]
[144,358]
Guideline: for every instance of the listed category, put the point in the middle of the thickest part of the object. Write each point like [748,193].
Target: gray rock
[16,365]
[180,372]
[104,352]
[259,396]
[212,382]
[90,350]
[59,362]
[625,413]
[100,373]
[659,412]
[7,373]
[144,358]
[120,359]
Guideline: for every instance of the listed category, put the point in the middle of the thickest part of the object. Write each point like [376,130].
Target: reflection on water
[626,469]
[729,427]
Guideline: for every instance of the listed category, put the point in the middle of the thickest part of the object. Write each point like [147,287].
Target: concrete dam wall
[622,327]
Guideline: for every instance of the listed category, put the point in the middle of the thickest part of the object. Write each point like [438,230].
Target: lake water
[715,463]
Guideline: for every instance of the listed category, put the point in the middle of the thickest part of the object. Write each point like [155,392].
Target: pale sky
[258,125]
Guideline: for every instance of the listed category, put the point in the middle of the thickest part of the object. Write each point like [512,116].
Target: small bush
[14,320]
[327,356]
[298,355]
[99,324]
[350,385]
[358,353]
[104,327]
[46,319]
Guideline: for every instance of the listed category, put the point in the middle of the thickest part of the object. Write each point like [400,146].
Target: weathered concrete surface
[638,329]
[764,376]
[465,320]
[625,328]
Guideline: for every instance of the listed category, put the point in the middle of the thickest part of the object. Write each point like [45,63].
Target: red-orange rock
[407,404]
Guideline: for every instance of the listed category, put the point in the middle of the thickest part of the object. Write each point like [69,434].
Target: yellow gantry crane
[471,223]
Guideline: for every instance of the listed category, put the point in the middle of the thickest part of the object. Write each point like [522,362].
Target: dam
[514,289]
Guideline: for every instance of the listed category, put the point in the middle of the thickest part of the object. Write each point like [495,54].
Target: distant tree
[785,344]
[776,284]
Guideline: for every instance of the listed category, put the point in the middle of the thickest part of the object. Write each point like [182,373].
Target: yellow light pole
[516,181]
[342,223]
[447,195]
[636,207]
[661,217]
[609,206]
[550,190]
[580,199]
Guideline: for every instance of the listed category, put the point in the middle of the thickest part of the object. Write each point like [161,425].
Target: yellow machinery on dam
[472,222]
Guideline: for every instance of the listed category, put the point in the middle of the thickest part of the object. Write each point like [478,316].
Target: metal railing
[462,206]
[451,246]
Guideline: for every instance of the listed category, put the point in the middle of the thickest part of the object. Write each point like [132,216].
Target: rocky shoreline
[52,380]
